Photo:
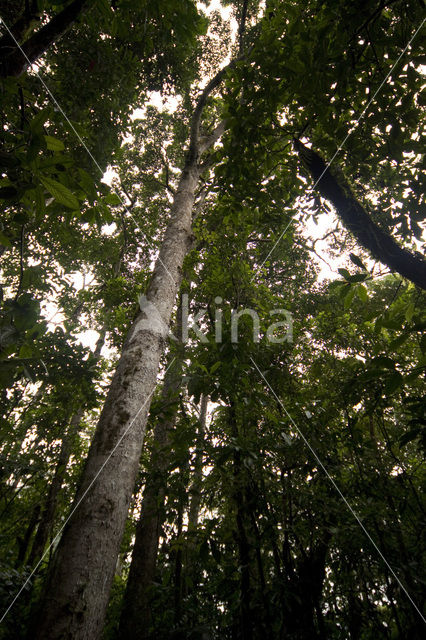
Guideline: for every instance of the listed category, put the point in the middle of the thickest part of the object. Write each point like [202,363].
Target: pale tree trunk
[78,587]
[135,618]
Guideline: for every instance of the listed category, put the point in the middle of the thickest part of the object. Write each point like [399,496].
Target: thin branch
[163,185]
[242,26]
[207,142]
[167,177]
[194,144]
[21,262]
[131,200]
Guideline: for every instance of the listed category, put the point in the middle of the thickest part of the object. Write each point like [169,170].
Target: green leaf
[53,144]
[345,273]
[361,292]
[4,240]
[344,289]
[60,192]
[409,312]
[348,298]
[357,277]
[410,436]
[215,367]
[112,199]
[394,381]
[383,362]
[26,351]
[359,263]
[89,215]
[37,123]
[395,344]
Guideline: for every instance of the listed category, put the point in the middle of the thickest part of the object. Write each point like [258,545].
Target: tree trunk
[135,618]
[195,491]
[177,552]
[78,587]
[24,543]
[77,591]
[245,623]
[15,60]
[380,244]
[48,514]
[191,566]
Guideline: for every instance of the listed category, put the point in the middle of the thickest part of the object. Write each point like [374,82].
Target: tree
[18,56]
[83,572]
[223,171]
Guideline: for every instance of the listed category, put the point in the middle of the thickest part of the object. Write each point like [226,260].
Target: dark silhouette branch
[21,28]
[242,26]
[355,218]
[16,59]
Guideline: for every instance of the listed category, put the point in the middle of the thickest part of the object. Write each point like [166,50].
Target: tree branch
[355,218]
[194,143]
[242,26]
[208,141]
[17,60]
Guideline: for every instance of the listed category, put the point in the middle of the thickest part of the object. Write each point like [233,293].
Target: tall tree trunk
[24,542]
[15,59]
[178,568]
[78,587]
[244,547]
[135,618]
[48,513]
[84,565]
[195,490]
[380,244]
[47,518]
[191,566]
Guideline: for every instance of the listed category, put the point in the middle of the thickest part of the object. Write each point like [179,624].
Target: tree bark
[380,244]
[83,569]
[195,491]
[135,618]
[245,622]
[24,543]
[77,590]
[15,60]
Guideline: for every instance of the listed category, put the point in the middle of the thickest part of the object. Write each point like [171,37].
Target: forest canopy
[212,347]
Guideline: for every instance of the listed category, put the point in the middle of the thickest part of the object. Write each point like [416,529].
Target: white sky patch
[88,338]
[215,5]
[313,231]
[109,176]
